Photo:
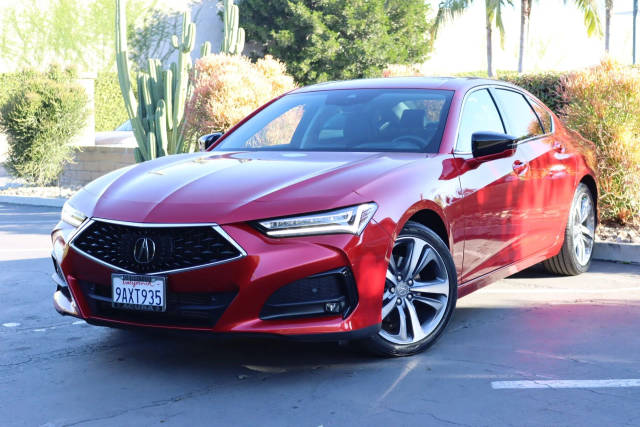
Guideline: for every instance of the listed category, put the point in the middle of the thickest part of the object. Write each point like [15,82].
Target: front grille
[329,293]
[168,248]
[202,309]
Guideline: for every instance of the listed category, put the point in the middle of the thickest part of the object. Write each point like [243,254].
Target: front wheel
[419,296]
[575,256]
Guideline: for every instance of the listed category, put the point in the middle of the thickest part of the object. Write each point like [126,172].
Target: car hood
[226,187]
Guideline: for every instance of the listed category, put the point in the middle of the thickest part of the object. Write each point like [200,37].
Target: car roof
[442,83]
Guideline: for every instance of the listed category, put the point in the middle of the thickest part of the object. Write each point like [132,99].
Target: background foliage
[603,105]
[228,88]
[41,117]
[109,107]
[322,40]
[34,33]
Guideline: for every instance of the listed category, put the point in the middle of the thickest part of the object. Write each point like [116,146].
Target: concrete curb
[619,252]
[56,202]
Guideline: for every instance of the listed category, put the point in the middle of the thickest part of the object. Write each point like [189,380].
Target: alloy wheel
[416,292]
[583,228]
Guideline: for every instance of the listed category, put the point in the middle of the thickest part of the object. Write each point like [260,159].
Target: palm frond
[589,9]
[494,12]
[448,10]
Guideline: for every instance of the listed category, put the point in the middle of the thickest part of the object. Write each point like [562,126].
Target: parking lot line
[559,290]
[552,384]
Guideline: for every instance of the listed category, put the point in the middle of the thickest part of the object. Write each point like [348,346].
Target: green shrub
[109,106]
[40,118]
[603,105]
[9,82]
[338,39]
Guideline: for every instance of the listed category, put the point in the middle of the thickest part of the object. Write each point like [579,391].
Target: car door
[537,202]
[490,191]
[556,173]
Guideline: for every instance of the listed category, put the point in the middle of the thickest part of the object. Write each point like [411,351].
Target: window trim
[531,101]
[526,100]
[490,89]
[464,103]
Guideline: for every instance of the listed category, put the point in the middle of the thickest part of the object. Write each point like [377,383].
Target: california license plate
[136,292]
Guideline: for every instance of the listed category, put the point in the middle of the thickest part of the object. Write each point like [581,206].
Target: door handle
[520,167]
[558,147]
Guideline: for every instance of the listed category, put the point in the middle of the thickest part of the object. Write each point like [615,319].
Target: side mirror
[493,144]
[206,141]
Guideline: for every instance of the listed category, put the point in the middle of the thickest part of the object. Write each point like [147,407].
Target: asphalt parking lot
[533,349]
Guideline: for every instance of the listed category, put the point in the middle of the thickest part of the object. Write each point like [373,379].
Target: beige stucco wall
[93,162]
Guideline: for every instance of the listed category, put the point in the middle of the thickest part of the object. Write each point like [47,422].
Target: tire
[579,233]
[424,299]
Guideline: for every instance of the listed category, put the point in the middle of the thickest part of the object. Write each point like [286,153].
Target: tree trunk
[490,72]
[525,12]
[607,24]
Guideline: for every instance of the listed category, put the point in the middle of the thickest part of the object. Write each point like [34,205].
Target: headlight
[351,220]
[72,216]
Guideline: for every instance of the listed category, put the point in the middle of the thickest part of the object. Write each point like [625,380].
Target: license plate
[136,292]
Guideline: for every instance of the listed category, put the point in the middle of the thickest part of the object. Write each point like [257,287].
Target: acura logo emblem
[144,250]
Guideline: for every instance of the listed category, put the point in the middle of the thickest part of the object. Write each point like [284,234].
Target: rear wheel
[575,256]
[419,296]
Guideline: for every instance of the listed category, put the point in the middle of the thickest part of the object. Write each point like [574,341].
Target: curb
[55,202]
[618,252]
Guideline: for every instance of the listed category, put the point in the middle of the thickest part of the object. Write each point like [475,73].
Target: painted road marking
[558,290]
[11,324]
[551,384]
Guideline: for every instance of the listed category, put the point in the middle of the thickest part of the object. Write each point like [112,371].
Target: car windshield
[402,120]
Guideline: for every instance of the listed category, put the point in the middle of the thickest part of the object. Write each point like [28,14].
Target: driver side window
[478,115]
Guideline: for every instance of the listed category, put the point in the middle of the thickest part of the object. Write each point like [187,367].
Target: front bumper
[242,288]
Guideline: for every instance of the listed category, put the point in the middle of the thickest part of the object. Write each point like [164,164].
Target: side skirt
[506,271]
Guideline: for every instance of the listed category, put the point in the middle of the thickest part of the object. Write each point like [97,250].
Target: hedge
[109,105]
[547,86]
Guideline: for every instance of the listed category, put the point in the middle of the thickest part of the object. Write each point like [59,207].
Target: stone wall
[93,162]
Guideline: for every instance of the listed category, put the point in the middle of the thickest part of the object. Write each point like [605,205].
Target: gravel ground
[10,186]
[619,234]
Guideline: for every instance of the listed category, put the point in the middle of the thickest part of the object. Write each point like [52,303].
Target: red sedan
[355,210]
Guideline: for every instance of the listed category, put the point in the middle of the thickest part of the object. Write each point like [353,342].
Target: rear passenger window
[522,121]
[479,115]
[543,115]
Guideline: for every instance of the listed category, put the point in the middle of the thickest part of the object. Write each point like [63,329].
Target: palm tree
[449,9]
[589,9]
[608,7]
[525,14]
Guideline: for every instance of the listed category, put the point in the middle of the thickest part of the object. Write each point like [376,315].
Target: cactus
[233,42]
[157,116]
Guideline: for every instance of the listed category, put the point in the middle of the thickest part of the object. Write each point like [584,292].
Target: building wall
[93,162]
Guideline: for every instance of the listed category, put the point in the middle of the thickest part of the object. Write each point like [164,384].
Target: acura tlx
[357,210]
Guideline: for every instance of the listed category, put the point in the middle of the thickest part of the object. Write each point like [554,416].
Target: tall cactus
[233,42]
[157,117]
